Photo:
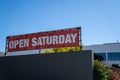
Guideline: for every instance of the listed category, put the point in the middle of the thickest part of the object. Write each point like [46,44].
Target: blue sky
[99,19]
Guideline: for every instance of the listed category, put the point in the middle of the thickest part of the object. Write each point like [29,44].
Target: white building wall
[105,48]
[18,53]
[1,54]
[109,47]
[112,62]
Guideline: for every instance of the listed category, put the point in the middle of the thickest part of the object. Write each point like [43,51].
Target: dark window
[114,56]
[103,55]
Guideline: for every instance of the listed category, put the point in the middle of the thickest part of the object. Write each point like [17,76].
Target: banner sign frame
[43,40]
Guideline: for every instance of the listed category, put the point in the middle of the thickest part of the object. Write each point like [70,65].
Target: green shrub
[101,71]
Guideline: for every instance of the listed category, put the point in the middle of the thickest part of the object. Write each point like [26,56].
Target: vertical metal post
[6,47]
[39,51]
[80,38]
[106,56]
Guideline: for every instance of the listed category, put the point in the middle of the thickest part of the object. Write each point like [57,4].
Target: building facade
[109,51]
[1,54]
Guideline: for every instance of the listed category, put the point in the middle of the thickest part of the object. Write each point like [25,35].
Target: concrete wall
[58,66]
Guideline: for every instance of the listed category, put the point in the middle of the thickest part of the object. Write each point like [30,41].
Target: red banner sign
[52,39]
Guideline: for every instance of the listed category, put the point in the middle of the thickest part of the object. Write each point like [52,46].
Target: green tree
[98,57]
[101,71]
[63,49]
